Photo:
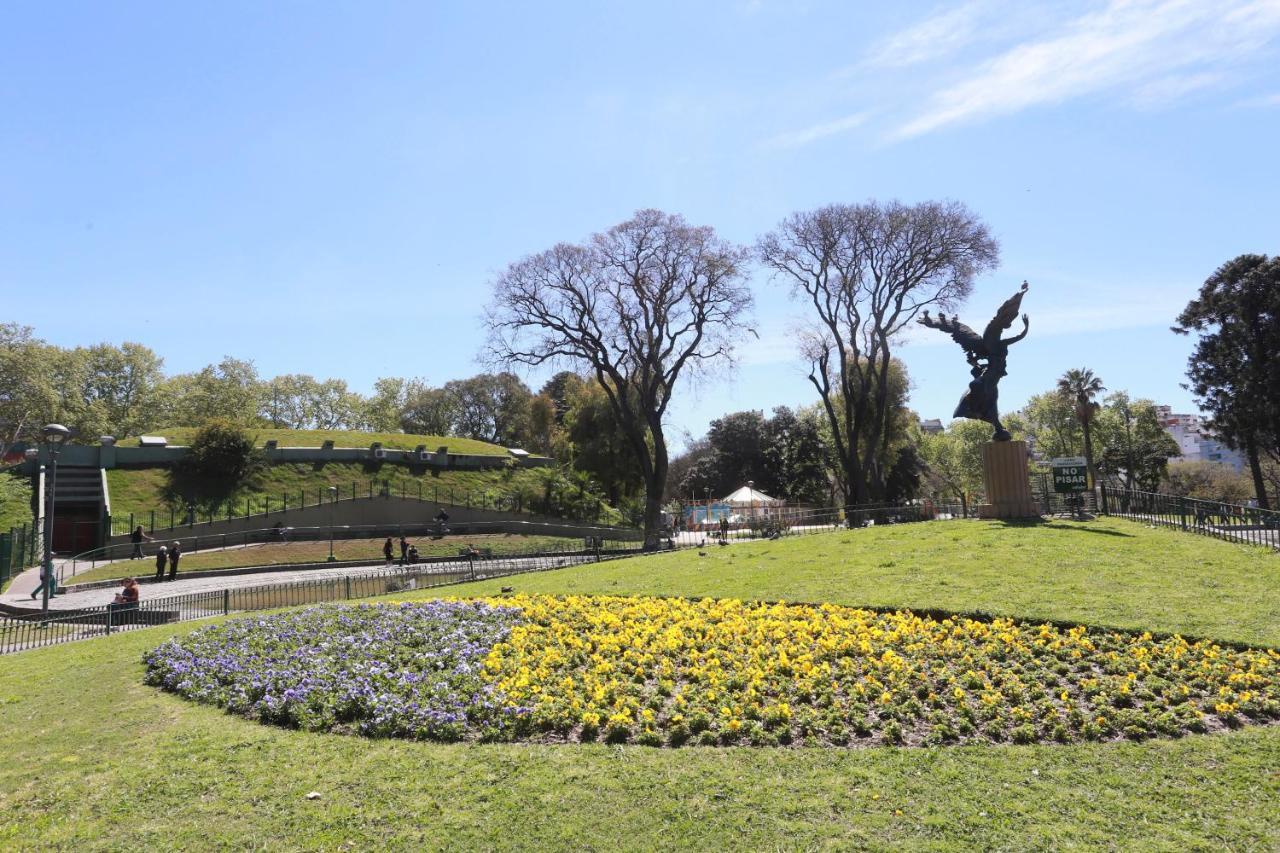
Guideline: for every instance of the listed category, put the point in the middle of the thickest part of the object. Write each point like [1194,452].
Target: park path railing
[196,543]
[28,632]
[1232,522]
[20,549]
[19,634]
[174,517]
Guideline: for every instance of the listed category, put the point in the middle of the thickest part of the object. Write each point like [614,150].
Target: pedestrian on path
[386,550]
[404,550]
[162,559]
[47,580]
[137,537]
[175,553]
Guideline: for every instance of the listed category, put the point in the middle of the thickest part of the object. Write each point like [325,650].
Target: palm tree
[1083,386]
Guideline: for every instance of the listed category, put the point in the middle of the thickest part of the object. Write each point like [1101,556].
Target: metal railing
[174,516]
[1232,522]
[246,539]
[20,549]
[21,633]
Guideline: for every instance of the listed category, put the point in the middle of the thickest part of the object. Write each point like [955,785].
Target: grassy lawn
[1109,572]
[274,554]
[340,438]
[96,760]
[141,490]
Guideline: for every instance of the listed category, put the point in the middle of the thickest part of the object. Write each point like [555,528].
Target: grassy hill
[340,438]
[100,761]
[141,490]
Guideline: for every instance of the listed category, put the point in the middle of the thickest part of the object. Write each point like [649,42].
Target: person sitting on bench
[127,598]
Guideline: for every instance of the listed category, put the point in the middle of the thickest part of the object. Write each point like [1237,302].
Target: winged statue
[987,355]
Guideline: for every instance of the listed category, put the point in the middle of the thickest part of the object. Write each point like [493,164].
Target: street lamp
[333,500]
[54,434]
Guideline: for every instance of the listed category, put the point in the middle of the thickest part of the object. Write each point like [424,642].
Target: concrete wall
[112,456]
[388,511]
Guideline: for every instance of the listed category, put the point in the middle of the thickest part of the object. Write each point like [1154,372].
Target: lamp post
[333,500]
[54,435]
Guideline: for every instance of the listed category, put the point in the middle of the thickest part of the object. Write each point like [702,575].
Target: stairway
[77,509]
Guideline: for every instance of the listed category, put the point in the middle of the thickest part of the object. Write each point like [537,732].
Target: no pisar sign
[1070,474]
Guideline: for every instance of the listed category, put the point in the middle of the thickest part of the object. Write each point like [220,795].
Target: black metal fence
[198,511]
[1232,522]
[610,538]
[19,634]
[19,550]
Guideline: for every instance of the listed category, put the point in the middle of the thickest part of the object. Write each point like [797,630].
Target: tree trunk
[1088,454]
[655,488]
[1255,468]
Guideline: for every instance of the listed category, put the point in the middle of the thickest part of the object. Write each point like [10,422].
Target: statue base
[1004,471]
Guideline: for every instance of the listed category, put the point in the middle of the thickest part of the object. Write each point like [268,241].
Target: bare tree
[867,270]
[637,306]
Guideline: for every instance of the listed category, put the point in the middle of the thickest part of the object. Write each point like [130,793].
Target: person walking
[404,550]
[175,553]
[386,550]
[162,559]
[47,579]
[137,537]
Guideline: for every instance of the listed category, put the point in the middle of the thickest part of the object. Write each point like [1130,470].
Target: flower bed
[409,671]
[670,671]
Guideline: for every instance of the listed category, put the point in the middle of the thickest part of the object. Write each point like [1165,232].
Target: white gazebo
[749,503]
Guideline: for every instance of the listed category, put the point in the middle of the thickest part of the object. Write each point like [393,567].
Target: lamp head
[56,433]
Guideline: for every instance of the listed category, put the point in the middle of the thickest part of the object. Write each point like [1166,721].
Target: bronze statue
[979,402]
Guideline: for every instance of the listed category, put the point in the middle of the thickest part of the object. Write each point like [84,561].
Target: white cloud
[796,138]
[935,37]
[1159,45]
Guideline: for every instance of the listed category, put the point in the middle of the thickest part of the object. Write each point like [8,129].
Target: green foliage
[222,457]
[1135,445]
[1051,422]
[953,459]
[1208,481]
[785,456]
[15,501]
[1232,370]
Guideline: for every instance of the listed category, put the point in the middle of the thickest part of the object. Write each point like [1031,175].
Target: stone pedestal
[1004,470]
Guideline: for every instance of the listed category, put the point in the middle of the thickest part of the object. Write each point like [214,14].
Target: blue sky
[329,189]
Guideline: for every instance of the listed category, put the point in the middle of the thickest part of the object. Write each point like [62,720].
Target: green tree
[228,390]
[222,457]
[1211,481]
[491,407]
[429,411]
[1051,424]
[596,445]
[28,397]
[1136,446]
[1233,367]
[1081,387]
[953,459]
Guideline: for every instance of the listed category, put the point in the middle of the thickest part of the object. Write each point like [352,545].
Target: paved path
[195,582]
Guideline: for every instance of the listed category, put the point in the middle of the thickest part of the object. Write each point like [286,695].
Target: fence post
[110,614]
[226,601]
[1182,512]
[348,579]
[1102,490]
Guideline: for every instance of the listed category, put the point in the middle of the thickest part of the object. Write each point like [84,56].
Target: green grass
[276,554]
[96,760]
[141,490]
[1108,572]
[340,438]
